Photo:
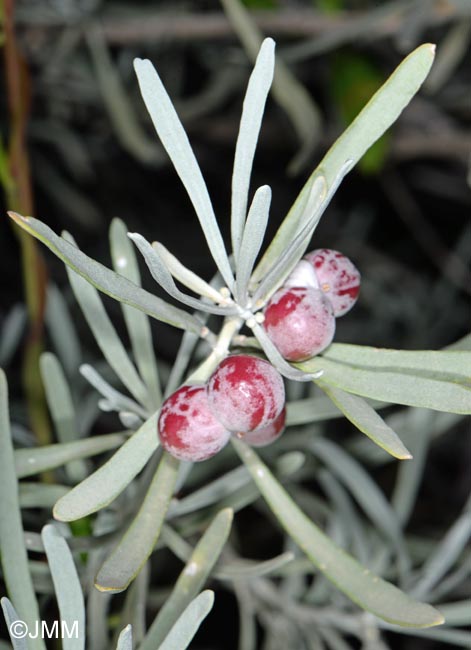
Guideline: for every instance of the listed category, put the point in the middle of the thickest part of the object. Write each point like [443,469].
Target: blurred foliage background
[69,94]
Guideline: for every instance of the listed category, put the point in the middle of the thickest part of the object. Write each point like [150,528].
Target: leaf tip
[17,217]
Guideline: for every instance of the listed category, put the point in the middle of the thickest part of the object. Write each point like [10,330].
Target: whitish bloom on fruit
[300,321]
[245,393]
[187,428]
[338,278]
[266,435]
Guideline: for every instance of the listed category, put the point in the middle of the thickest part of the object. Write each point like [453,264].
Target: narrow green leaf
[11,332]
[175,141]
[367,420]
[365,491]
[40,495]
[393,387]
[367,590]
[62,331]
[438,362]
[116,400]
[125,639]
[13,555]
[250,123]
[106,336]
[182,633]
[104,485]
[382,110]
[191,579]
[40,459]
[137,323]
[244,570]
[67,586]
[61,407]
[254,232]
[163,277]
[188,278]
[15,626]
[445,554]
[458,613]
[133,550]
[105,280]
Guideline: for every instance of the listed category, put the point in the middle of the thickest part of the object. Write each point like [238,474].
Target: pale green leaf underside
[67,586]
[369,591]
[104,485]
[376,117]
[397,387]
[105,280]
[367,420]
[11,616]
[132,551]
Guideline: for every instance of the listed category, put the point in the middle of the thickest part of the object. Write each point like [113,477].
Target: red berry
[300,321]
[338,278]
[246,393]
[187,428]
[266,435]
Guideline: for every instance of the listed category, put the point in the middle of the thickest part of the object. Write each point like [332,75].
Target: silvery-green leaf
[62,330]
[244,570]
[396,387]
[59,401]
[367,420]
[317,409]
[107,482]
[185,628]
[13,553]
[137,323]
[132,551]
[67,586]
[35,460]
[252,239]
[458,613]
[175,141]
[191,579]
[130,420]
[439,363]
[114,398]
[317,201]
[125,639]
[188,278]
[367,590]
[275,357]
[185,351]
[11,332]
[375,118]
[107,281]
[163,277]
[40,495]
[445,554]
[364,490]
[419,423]
[250,122]
[15,626]
[105,334]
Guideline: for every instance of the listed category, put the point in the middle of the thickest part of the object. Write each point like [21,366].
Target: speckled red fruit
[245,393]
[300,321]
[338,278]
[266,435]
[187,428]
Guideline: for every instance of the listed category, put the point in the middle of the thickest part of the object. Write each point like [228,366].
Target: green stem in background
[16,180]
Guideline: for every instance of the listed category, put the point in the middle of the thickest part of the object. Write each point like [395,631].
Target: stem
[16,182]
[229,330]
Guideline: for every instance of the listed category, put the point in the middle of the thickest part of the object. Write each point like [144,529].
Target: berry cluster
[245,396]
[300,317]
